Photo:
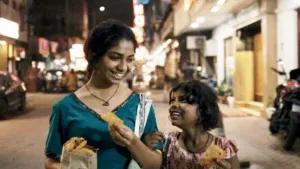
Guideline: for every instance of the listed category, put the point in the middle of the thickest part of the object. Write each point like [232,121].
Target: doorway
[229,61]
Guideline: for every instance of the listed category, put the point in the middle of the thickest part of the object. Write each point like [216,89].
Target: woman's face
[117,62]
[182,114]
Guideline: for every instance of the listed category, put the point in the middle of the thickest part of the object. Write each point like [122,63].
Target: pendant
[105,104]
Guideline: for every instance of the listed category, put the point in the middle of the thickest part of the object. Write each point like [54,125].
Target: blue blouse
[71,117]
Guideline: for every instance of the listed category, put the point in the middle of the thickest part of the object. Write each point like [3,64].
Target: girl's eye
[182,100]
[172,100]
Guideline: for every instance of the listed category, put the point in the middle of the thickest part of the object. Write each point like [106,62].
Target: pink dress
[178,158]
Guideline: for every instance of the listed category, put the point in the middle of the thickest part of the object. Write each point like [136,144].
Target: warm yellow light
[3,43]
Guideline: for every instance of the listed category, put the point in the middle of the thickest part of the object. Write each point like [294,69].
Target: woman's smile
[117,76]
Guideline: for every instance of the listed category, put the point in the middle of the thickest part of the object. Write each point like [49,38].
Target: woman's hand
[151,140]
[121,134]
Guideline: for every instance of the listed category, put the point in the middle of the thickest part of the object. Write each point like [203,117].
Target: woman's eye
[114,57]
[130,59]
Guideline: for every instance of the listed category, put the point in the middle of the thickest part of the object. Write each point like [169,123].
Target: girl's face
[116,63]
[182,114]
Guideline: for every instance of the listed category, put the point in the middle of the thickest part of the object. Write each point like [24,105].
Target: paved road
[22,137]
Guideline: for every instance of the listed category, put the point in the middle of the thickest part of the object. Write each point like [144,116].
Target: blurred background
[247,50]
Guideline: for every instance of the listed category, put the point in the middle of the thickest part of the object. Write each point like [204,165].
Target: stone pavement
[22,137]
[251,134]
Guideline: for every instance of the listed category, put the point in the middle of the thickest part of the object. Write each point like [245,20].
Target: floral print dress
[175,157]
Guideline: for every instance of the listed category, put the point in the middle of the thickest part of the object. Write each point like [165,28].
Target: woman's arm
[51,164]
[148,159]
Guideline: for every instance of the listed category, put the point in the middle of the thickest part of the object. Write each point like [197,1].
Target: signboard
[195,42]
[9,28]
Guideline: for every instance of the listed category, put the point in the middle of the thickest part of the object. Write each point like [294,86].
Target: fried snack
[212,153]
[84,151]
[111,118]
[72,143]
[79,145]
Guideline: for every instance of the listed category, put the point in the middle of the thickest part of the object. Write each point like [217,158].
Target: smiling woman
[110,53]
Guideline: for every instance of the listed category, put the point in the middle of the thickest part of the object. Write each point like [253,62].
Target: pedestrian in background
[71,81]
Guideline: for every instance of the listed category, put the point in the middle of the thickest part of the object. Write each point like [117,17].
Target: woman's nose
[122,66]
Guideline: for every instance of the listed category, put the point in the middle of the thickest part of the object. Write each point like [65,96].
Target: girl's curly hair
[198,93]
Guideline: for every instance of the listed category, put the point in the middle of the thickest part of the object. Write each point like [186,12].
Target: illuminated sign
[139,21]
[138,10]
[144,2]
[9,28]
[44,46]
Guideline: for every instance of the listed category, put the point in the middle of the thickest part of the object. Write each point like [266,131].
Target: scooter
[286,117]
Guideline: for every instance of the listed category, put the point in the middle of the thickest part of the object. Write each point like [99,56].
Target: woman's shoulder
[65,101]
[228,145]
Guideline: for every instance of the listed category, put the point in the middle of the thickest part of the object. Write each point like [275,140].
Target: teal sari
[71,117]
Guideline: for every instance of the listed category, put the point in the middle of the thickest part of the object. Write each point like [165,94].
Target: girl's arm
[234,162]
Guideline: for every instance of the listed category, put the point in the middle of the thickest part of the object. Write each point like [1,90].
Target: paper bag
[70,160]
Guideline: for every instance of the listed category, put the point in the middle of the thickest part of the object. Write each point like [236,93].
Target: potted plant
[224,91]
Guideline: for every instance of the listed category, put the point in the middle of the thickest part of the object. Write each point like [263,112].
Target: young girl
[194,109]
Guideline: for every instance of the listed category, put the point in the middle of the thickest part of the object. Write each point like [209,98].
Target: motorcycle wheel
[274,127]
[291,135]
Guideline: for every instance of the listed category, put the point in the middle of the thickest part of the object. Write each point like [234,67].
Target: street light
[102,8]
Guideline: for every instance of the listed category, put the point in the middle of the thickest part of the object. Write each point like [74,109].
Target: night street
[22,137]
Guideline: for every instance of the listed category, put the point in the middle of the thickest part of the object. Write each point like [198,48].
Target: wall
[283,5]
[219,34]
[287,33]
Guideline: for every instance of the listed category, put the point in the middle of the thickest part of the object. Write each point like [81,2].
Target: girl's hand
[222,164]
[121,134]
[151,140]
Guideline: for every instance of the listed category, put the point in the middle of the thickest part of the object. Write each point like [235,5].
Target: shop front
[288,32]
[247,54]
[245,37]
[9,35]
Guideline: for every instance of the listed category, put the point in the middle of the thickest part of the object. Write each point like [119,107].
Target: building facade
[13,34]
[247,38]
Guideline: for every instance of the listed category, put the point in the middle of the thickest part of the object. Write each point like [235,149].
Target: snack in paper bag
[212,153]
[111,118]
[79,145]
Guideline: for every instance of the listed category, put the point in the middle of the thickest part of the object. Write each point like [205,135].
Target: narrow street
[22,137]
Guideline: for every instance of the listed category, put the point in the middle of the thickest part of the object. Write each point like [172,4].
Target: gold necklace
[106,102]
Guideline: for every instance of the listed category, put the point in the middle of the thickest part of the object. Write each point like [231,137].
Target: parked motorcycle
[286,117]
